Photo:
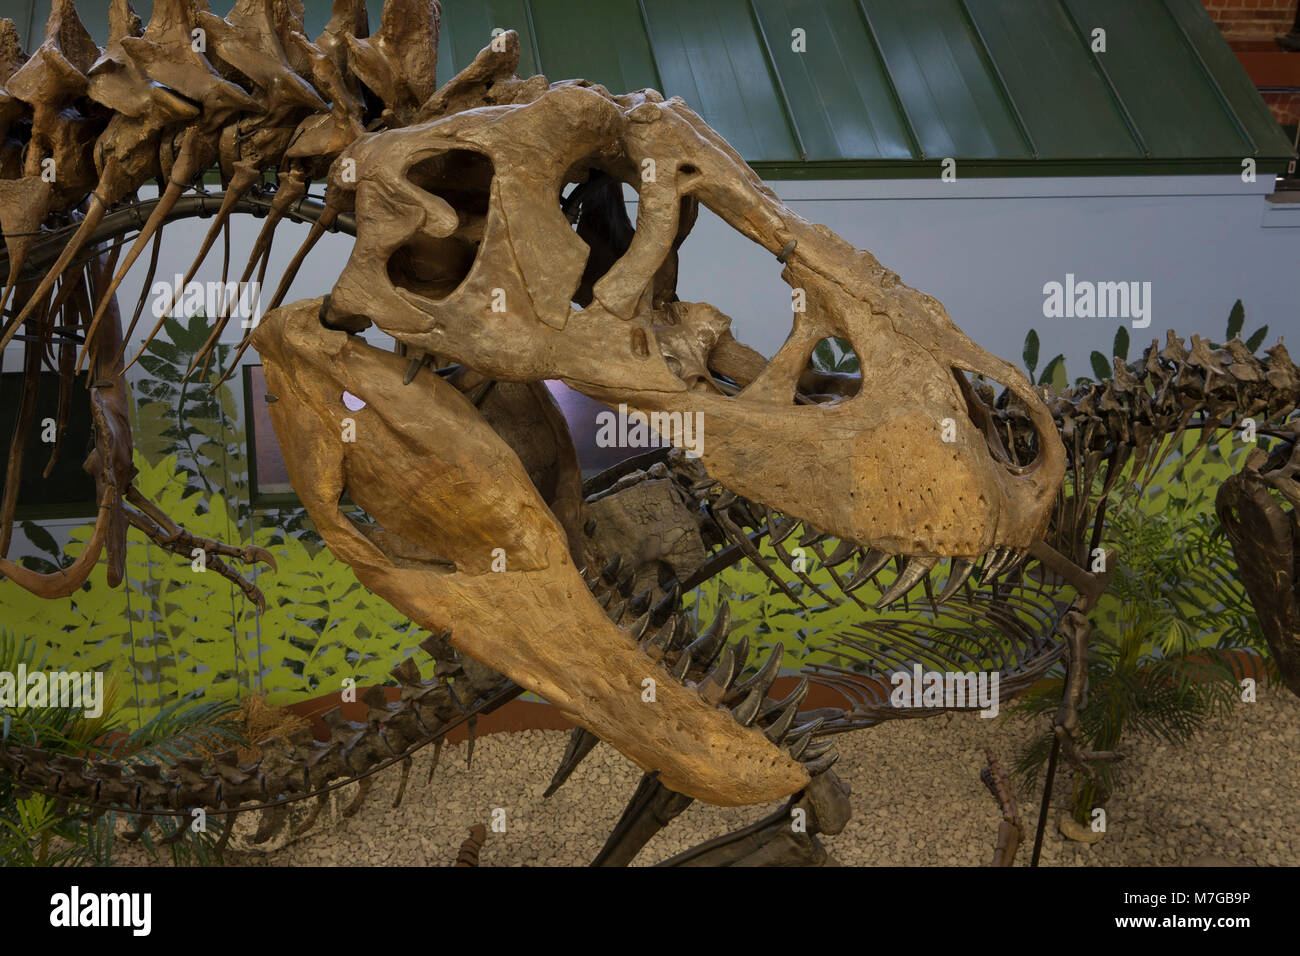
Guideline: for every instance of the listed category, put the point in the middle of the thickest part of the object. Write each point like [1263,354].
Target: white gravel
[917,798]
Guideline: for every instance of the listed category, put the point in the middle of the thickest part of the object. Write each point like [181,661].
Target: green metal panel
[604,43]
[712,55]
[1050,76]
[953,97]
[467,27]
[1158,81]
[886,87]
[838,91]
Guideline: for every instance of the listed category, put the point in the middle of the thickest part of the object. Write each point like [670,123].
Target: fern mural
[174,633]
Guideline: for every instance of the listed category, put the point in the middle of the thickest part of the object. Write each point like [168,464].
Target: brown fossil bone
[1265,539]
[249,40]
[57,171]
[399,62]
[472,847]
[445,507]
[838,467]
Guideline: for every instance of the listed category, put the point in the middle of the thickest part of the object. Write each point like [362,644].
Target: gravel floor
[917,800]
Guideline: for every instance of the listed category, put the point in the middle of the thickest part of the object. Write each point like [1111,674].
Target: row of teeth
[710,665]
[733,514]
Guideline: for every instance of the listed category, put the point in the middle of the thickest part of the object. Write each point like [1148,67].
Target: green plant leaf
[41,538]
[1257,338]
[1054,374]
[1121,345]
[825,356]
[1100,367]
[1236,318]
[1030,353]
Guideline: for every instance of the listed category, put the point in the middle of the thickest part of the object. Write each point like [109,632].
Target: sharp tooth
[776,730]
[706,648]
[678,670]
[657,646]
[615,613]
[961,570]
[798,739]
[742,654]
[665,608]
[725,500]
[626,583]
[796,696]
[821,764]
[640,626]
[610,571]
[762,681]
[810,537]
[807,729]
[813,751]
[841,554]
[913,570]
[779,531]
[714,687]
[993,567]
[685,632]
[990,559]
[748,709]
[638,604]
[872,562]
[746,514]
[605,599]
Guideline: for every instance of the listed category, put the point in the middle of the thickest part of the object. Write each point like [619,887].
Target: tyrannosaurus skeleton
[467,254]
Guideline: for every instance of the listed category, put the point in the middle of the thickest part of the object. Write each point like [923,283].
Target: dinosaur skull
[463,251]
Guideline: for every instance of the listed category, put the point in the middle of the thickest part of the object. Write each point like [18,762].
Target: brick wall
[1285,106]
[1253,24]
[1252,19]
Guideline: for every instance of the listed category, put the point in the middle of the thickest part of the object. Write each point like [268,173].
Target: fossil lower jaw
[442,484]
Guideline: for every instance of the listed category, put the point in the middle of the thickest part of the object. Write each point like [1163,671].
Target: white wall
[985,248]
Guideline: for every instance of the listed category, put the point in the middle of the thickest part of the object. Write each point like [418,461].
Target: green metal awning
[892,87]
